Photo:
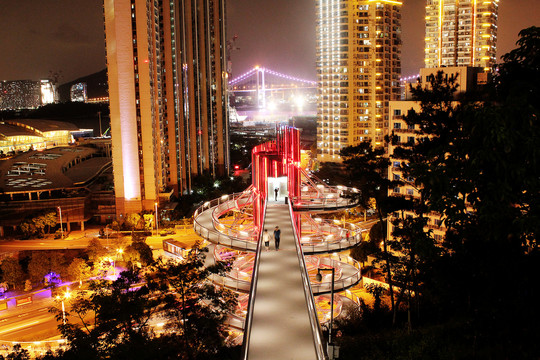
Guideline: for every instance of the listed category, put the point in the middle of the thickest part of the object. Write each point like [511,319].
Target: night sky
[37,36]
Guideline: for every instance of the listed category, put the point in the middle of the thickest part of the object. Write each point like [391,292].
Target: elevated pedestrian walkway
[283,321]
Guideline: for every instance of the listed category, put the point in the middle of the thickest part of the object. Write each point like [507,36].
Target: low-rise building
[34,134]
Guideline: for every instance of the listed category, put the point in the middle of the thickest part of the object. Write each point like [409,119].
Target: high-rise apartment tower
[461,33]
[168,98]
[358,71]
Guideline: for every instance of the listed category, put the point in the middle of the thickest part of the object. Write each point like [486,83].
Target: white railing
[231,283]
[208,232]
[343,282]
[324,197]
[335,237]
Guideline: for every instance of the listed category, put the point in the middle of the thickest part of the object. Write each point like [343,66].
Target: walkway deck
[281,327]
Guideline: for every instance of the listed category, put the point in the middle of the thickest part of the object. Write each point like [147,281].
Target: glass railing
[253,288]
[231,283]
[342,283]
[204,227]
[324,197]
[335,235]
[312,309]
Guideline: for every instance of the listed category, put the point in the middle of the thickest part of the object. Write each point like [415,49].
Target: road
[30,322]
[80,239]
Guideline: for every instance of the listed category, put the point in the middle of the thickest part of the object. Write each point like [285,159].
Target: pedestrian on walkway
[276,192]
[277,237]
[266,239]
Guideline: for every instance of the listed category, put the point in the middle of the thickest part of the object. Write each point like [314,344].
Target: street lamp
[157,226]
[61,229]
[318,277]
[111,260]
[119,252]
[66,296]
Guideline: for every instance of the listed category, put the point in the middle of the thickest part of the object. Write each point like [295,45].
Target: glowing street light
[157,226]
[331,347]
[66,296]
[61,228]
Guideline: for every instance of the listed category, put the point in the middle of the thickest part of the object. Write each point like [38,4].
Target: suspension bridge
[264,88]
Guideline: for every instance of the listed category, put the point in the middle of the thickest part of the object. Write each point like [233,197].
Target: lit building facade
[461,33]
[167,96]
[468,79]
[20,94]
[358,72]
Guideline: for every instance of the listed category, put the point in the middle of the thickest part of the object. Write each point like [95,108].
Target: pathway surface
[281,327]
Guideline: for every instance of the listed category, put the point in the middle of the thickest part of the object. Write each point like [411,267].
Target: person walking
[276,192]
[266,239]
[277,237]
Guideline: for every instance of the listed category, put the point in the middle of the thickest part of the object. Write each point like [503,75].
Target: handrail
[231,283]
[213,235]
[251,304]
[326,197]
[313,319]
[342,283]
[342,242]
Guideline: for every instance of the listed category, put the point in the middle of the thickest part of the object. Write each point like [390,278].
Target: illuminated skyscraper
[461,33]
[168,98]
[358,71]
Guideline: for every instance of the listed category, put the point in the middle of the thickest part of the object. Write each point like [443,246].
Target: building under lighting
[358,70]
[20,94]
[167,96]
[468,79]
[461,33]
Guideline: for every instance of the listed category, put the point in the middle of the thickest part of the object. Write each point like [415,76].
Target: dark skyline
[38,37]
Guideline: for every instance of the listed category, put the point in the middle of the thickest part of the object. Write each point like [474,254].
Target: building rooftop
[8,130]
[56,168]
[42,125]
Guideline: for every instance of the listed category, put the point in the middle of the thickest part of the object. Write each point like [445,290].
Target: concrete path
[281,327]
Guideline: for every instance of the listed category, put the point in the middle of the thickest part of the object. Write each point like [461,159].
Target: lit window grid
[328,120]
[477,26]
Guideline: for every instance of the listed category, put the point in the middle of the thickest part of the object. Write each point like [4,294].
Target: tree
[45,262]
[112,320]
[79,270]
[133,221]
[49,219]
[370,246]
[12,272]
[18,353]
[414,251]
[476,164]
[367,167]
[334,173]
[95,250]
[196,307]
[139,251]
[28,228]
[39,266]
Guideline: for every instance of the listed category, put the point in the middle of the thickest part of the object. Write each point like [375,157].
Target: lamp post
[110,260]
[61,228]
[157,226]
[107,235]
[67,295]
[330,348]
[99,116]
